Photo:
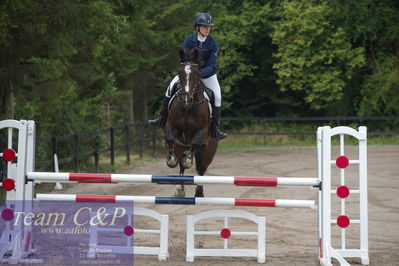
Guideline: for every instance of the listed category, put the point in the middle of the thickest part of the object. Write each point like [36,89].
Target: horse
[187,132]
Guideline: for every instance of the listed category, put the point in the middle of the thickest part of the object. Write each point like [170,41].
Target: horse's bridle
[185,94]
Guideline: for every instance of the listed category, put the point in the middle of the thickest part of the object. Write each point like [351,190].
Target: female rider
[208,50]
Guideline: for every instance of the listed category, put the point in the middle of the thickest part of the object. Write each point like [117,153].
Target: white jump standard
[21,178]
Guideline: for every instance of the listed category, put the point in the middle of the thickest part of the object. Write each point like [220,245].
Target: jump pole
[181,200]
[171,179]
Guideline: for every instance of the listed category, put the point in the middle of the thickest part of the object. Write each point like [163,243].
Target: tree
[50,59]
[242,29]
[315,56]
[149,47]
[380,90]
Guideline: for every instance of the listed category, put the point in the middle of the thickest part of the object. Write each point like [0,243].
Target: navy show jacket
[208,52]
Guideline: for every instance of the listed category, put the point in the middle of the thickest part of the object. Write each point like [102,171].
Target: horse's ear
[182,55]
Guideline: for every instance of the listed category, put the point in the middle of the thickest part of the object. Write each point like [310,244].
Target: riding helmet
[203,19]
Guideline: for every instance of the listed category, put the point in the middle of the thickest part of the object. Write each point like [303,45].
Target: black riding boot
[216,133]
[161,120]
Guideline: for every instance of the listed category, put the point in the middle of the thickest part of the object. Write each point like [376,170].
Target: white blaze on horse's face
[187,69]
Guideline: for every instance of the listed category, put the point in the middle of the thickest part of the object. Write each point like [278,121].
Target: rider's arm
[210,67]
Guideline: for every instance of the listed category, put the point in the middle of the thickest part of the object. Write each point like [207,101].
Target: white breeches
[211,82]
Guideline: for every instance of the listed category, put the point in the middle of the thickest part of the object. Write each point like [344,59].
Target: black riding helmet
[203,19]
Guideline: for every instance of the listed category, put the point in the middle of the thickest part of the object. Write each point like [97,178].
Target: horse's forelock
[189,55]
[194,55]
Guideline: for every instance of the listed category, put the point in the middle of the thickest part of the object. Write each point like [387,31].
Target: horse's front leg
[171,159]
[196,142]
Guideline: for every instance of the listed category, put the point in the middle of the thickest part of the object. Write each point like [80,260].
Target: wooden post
[127,143]
[154,141]
[97,161]
[140,139]
[76,153]
[54,146]
[264,131]
[112,144]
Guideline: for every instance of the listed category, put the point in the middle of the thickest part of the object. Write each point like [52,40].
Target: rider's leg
[161,120]
[213,83]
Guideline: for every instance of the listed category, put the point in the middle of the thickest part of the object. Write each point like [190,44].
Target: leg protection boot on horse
[161,120]
[215,130]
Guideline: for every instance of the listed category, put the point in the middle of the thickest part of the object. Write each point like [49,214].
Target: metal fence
[137,138]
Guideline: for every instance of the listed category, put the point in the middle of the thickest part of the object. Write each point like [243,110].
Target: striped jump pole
[172,179]
[181,201]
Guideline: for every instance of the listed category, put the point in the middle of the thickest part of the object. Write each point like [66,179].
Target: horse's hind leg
[199,191]
[180,188]
[203,158]
[180,192]
[201,168]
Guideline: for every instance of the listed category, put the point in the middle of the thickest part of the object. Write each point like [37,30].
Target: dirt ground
[291,234]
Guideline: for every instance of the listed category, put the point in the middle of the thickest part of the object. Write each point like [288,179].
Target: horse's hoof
[188,163]
[179,191]
[187,160]
[171,161]
[199,192]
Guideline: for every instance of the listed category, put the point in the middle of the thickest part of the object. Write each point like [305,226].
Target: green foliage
[385,99]
[77,66]
[59,64]
[236,34]
[243,32]
[373,25]
[315,56]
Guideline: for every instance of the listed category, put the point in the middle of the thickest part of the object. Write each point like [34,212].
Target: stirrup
[217,134]
[156,121]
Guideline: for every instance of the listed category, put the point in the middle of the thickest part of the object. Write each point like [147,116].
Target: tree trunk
[142,88]
[145,109]
[140,83]
[131,106]
[8,101]
[127,84]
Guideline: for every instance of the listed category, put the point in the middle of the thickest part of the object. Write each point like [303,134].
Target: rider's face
[204,30]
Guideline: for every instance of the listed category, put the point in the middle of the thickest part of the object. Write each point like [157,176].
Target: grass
[259,143]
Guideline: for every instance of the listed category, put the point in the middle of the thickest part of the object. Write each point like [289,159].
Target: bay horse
[187,132]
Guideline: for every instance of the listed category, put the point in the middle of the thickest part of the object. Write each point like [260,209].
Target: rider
[209,48]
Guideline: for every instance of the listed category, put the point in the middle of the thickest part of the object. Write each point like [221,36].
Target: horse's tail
[199,163]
